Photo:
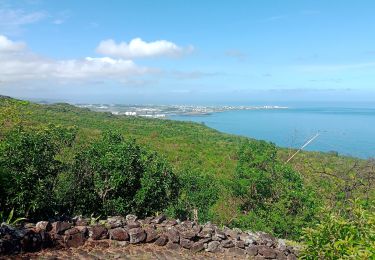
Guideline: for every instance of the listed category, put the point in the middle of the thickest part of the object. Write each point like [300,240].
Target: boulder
[98,232]
[116,221]
[173,246]
[131,217]
[213,246]
[151,235]
[267,252]
[43,225]
[137,235]
[220,234]
[59,227]
[173,235]
[227,243]
[252,250]
[162,240]
[74,239]
[186,243]
[240,244]
[188,234]
[118,234]
[133,224]
[197,247]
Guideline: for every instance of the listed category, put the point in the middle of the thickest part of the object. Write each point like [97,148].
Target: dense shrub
[273,196]
[342,236]
[28,168]
[197,192]
[117,176]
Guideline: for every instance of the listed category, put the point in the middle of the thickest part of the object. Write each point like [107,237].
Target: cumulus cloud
[137,48]
[18,64]
[7,45]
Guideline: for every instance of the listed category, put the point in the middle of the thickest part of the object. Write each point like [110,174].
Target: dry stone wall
[160,231]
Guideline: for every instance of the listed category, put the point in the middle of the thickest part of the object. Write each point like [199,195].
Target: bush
[116,176]
[197,192]
[273,196]
[342,236]
[28,168]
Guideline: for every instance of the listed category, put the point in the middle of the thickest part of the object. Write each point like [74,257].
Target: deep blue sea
[346,128]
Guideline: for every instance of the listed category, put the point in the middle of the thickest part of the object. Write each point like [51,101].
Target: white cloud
[7,45]
[19,64]
[11,20]
[138,48]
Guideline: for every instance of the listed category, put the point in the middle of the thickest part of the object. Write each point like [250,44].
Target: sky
[188,52]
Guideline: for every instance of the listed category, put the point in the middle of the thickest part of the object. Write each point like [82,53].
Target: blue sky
[188,51]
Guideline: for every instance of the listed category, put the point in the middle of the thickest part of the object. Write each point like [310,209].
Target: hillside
[186,145]
[211,162]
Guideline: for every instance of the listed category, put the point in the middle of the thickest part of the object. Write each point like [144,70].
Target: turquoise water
[349,131]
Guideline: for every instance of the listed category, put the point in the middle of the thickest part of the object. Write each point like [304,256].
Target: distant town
[164,111]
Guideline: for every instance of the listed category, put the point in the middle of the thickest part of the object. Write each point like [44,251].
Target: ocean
[347,129]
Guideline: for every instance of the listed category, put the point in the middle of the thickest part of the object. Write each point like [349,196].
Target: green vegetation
[60,159]
[272,195]
[348,235]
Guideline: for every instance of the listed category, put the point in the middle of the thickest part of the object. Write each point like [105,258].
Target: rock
[280,255]
[206,232]
[205,240]
[133,224]
[146,221]
[227,243]
[281,244]
[252,250]
[231,233]
[162,240]
[159,219]
[116,221]
[137,235]
[216,238]
[98,232]
[131,217]
[240,244]
[31,241]
[237,251]
[213,246]
[188,234]
[79,221]
[266,252]
[186,224]
[71,231]
[43,225]
[173,246]
[266,239]
[173,235]
[197,247]
[291,257]
[246,239]
[59,227]
[118,234]
[151,235]
[220,234]
[74,240]
[170,222]
[82,229]
[186,243]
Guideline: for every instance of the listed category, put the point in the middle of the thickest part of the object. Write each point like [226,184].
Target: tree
[28,168]
[273,196]
[117,176]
